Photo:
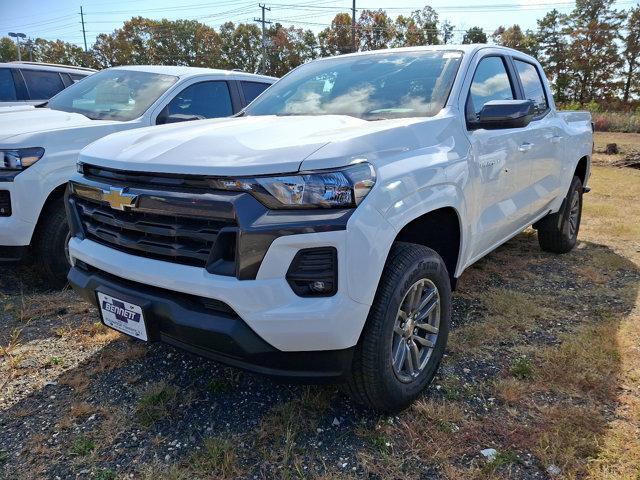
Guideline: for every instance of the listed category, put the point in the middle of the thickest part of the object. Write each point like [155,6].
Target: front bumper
[210,329]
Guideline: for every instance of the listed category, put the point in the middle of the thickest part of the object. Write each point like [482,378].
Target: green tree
[553,50]
[631,54]
[241,46]
[336,39]
[593,28]
[130,45]
[375,30]
[57,51]
[8,50]
[474,35]
[446,32]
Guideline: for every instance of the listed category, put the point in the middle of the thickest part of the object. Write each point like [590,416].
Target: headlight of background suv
[344,188]
[20,158]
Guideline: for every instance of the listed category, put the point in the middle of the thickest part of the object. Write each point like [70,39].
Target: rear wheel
[406,333]
[51,245]
[558,232]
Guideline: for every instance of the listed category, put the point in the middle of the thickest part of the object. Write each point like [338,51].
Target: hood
[232,146]
[35,120]
[15,107]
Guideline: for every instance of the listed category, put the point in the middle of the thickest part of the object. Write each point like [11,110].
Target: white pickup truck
[39,146]
[319,234]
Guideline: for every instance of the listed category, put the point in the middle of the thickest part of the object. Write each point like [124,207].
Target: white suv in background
[39,146]
[32,83]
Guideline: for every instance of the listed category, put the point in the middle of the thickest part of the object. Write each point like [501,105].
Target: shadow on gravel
[129,404]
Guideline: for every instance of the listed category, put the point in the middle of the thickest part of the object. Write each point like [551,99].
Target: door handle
[525,147]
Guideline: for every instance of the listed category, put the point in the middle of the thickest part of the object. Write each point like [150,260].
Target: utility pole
[29,44]
[264,35]
[18,36]
[84,34]
[353,27]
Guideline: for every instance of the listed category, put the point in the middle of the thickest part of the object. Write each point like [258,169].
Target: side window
[42,85]
[75,77]
[205,99]
[7,87]
[532,85]
[252,89]
[66,79]
[490,82]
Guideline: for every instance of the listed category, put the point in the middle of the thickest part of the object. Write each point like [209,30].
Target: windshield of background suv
[371,87]
[113,94]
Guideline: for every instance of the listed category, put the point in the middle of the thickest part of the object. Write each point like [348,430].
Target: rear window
[7,87]
[42,85]
[252,89]
[532,85]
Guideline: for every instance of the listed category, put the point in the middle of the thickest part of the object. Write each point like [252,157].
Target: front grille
[183,240]
[5,203]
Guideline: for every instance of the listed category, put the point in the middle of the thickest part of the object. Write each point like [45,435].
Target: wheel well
[438,230]
[581,169]
[56,195]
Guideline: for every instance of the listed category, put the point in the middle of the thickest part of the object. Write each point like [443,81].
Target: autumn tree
[593,29]
[407,32]
[427,21]
[336,39]
[375,30]
[288,48]
[514,37]
[631,54]
[474,35]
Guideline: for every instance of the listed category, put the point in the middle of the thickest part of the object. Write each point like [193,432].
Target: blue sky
[61,19]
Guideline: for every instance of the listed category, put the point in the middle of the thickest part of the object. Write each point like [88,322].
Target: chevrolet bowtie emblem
[119,199]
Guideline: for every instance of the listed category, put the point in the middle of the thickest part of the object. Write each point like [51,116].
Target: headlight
[20,158]
[344,188]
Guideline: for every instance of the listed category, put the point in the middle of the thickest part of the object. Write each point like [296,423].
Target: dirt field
[543,366]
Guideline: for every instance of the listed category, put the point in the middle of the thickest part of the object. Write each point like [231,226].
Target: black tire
[373,380]
[558,232]
[51,245]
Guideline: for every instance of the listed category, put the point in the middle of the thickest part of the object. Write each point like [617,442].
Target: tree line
[591,55]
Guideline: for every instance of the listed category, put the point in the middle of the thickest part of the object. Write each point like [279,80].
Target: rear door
[501,173]
[42,84]
[250,90]
[543,142]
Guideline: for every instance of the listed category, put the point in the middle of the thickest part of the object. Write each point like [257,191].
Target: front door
[502,169]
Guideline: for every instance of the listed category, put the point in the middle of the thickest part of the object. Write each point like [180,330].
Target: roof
[466,49]
[184,71]
[49,66]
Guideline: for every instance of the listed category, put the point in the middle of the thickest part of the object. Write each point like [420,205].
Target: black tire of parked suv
[558,232]
[51,245]
[374,380]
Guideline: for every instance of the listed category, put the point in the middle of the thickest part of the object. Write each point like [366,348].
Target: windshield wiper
[41,105]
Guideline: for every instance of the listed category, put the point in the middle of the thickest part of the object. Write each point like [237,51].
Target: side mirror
[505,114]
[177,117]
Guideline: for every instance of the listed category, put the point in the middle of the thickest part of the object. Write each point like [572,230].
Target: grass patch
[219,385]
[105,474]
[217,458]
[521,368]
[156,403]
[82,446]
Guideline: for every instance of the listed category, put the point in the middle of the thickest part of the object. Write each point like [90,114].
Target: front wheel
[558,232]
[51,245]
[406,332]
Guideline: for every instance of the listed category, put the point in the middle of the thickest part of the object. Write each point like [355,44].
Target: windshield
[371,87]
[113,94]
